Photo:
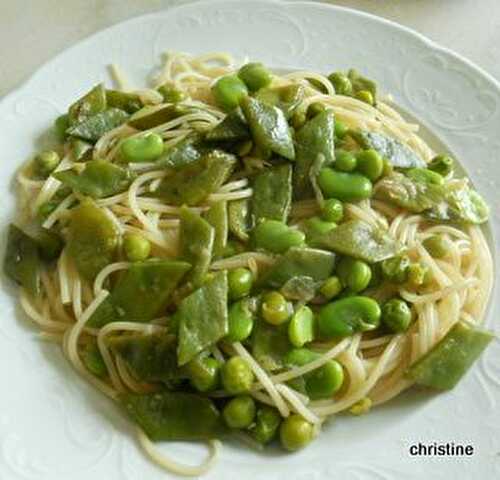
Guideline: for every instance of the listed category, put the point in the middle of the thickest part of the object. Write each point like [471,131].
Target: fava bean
[301,327]
[275,308]
[316,226]
[425,175]
[276,236]
[228,91]
[348,187]
[343,318]
[341,83]
[344,161]
[144,148]
[331,288]
[239,283]
[370,164]
[442,164]
[240,320]
[255,76]
[354,274]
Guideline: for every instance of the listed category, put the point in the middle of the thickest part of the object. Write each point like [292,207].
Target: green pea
[239,412]
[331,288]
[395,269]
[276,236]
[354,274]
[347,187]
[295,433]
[237,377]
[61,124]
[315,109]
[341,129]
[438,246]
[46,162]
[343,318]
[425,175]
[228,91]
[136,247]
[370,164]
[442,164]
[365,96]
[171,94]
[144,148]
[267,423]
[417,274]
[315,226]
[396,315]
[333,210]
[341,83]
[301,327]
[275,309]
[255,76]
[344,161]
[240,321]
[204,373]
[325,381]
[239,283]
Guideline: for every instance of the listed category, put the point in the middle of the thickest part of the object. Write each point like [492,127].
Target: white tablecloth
[33,31]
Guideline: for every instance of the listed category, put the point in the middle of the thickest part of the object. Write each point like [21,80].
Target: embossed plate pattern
[54,427]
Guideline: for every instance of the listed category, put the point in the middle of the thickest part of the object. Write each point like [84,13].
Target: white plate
[54,427]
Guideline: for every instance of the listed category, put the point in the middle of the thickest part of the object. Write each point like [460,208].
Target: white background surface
[33,31]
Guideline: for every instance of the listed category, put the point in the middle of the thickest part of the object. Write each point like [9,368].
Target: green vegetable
[275,309]
[341,130]
[417,275]
[46,162]
[237,376]
[444,365]
[239,218]
[287,98]
[267,423]
[141,294]
[93,361]
[49,243]
[174,415]
[130,102]
[187,151]
[365,96]
[136,247]
[360,240]
[255,76]
[299,262]
[239,412]
[92,103]
[197,241]
[396,315]
[370,164]
[395,269]
[301,288]
[202,318]
[150,358]
[315,226]
[438,246]
[341,83]
[193,183]
[272,194]
[277,237]
[348,187]
[232,128]
[240,283]
[270,344]
[22,261]
[362,84]
[217,217]
[145,148]
[333,210]
[151,116]
[61,124]
[99,179]
[240,320]
[92,239]
[354,274]
[425,175]
[399,155]
[331,288]
[80,151]
[295,433]
[268,127]
[442,164]
[229,91]
[204,373]
[314,143]
[94,127]
[345,161]
[171,94]
[343,318]
[301,327]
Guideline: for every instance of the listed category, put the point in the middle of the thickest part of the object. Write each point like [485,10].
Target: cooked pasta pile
[374,362]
